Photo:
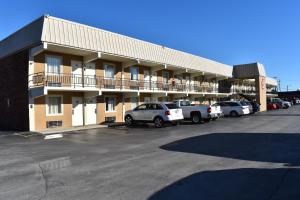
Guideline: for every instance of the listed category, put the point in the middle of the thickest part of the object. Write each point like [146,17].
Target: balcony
[242,90]
[73,81]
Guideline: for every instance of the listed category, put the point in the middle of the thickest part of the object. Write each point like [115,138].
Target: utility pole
[278,84]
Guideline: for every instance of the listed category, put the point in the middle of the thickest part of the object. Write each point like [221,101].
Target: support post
[261,92]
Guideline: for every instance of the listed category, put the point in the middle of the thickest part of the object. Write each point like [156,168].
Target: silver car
[233,108]
[158,113]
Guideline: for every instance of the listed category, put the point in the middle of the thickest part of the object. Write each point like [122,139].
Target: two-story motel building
[61,73]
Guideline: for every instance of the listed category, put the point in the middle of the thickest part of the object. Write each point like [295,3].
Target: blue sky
[228,31]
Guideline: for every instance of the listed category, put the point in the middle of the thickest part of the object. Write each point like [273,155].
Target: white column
[123,95]
[30,98]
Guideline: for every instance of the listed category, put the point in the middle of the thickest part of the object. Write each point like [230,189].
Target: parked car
[272,106]
[233,108]
[278,106]
[255,106]
[158,113]
[282,103]
[247,103]
[197,113]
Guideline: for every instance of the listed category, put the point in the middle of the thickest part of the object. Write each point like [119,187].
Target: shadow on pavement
[243,184]
[263,147]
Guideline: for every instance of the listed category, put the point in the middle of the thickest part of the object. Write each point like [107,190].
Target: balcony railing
[243,91]
[79,81]
[271,91]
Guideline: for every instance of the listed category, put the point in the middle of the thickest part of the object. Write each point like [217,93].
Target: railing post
[74,80]
[82,80]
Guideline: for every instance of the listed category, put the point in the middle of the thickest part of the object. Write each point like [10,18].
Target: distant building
[289,95]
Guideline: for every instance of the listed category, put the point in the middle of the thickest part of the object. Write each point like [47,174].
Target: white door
[154,99]
[77,111]
[76,73]
[192,82]
[147,99]
[154,80]
[90,111]
[134,102]
[147,79]
[140,112]
[90,75]
[165,80]
[188,82]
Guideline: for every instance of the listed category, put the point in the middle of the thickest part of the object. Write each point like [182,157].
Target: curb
[118,124]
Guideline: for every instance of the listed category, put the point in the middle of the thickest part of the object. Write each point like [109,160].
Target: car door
[186,108]
[234,106]
[225,107]
[140,112]
[154,110]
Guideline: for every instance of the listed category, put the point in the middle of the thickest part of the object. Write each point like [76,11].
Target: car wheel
[196,118]
[128,120]
[214,119]
[233,114]
[158,122]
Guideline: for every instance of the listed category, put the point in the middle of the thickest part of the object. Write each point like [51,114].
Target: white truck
[198,113]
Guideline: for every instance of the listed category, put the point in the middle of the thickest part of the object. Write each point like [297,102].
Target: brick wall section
[14,92]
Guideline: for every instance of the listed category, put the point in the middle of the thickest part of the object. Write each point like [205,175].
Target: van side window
[223,104]
[233,104]
[159,107]
[151,106]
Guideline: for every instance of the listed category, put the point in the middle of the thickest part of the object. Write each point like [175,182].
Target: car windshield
[171,105]
[244,103]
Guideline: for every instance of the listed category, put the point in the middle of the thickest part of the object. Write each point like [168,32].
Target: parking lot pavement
[252,157]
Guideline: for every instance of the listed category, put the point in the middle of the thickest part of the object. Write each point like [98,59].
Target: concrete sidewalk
[70,129]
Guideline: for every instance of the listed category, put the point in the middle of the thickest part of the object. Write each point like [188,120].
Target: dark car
[255,106]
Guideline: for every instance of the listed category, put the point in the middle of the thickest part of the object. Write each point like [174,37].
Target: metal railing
[79,81]
[243,91]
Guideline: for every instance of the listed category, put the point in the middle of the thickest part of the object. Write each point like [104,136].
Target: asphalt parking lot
[253,157]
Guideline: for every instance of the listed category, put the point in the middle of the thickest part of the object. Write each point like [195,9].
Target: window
[216,104]
[53,64]
[244,103]
[155,107]
[171,106]
[110,103]
[147,99]
[165,99]
[187,79]
[185,103]
[54,105]
[134,73]
[233,104]
[141,107]
[165,77]
[223,104]
[109,71]
[134,102]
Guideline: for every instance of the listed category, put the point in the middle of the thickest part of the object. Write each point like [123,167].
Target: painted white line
[54,136]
